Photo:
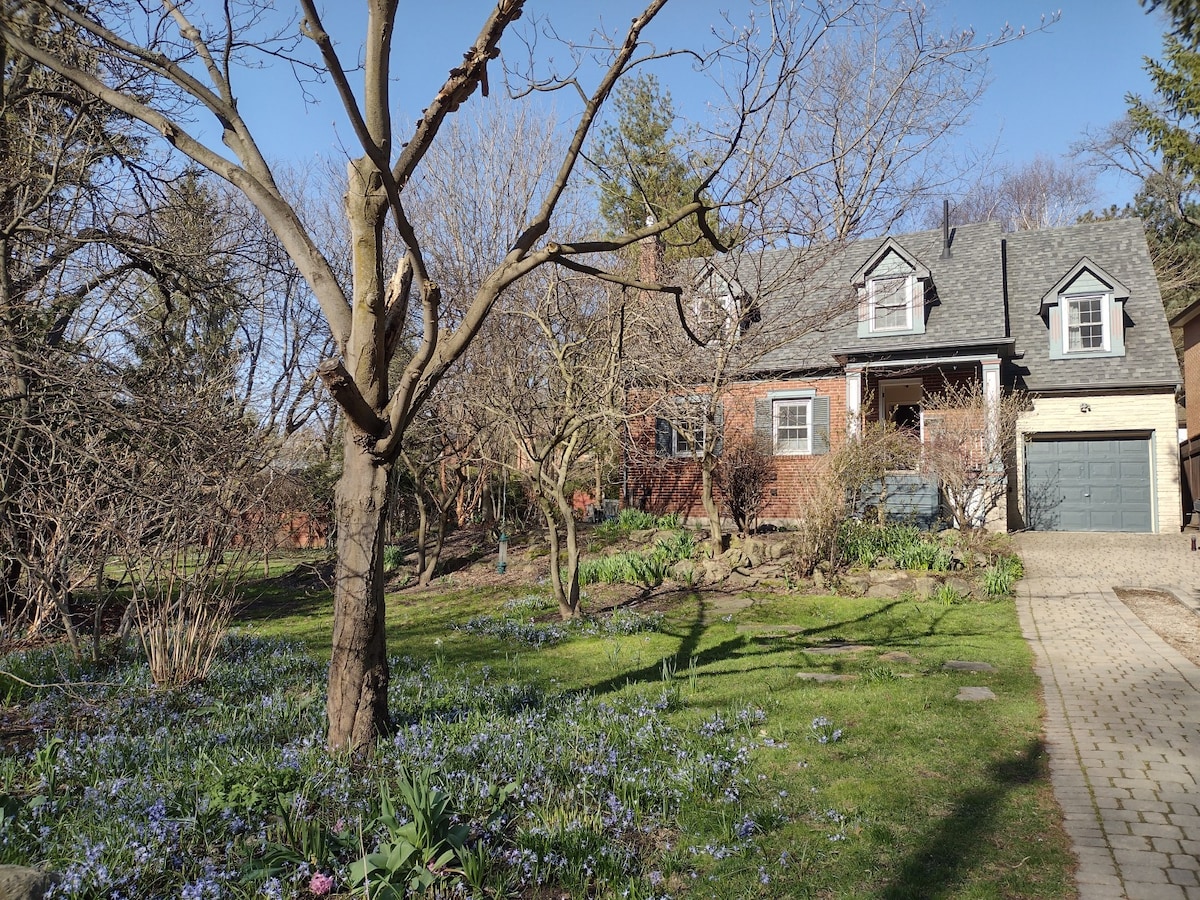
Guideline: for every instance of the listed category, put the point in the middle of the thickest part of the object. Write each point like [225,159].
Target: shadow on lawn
[304,590]
[689,641]
[746,645]
[957,843]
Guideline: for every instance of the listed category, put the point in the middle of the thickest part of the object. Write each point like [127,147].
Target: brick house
[1188,321]
[1072,315]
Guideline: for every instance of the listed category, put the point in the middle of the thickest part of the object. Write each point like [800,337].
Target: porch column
[991,400]
[853,400]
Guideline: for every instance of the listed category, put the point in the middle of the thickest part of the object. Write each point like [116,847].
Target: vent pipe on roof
[945,229]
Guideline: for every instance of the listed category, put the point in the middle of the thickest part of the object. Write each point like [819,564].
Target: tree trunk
[422,537]
[439,541]
[710,504]
[571,587]
[552,539]
[358,674]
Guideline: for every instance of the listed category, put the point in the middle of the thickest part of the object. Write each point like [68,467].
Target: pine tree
[643,168]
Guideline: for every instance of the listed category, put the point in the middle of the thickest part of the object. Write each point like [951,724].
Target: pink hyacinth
[321,884]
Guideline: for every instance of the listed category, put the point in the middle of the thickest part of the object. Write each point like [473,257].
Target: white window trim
[908,305]
[1105,322]
[697,448]
[776,405]
[707,309]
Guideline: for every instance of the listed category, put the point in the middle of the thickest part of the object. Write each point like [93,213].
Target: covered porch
[939,420]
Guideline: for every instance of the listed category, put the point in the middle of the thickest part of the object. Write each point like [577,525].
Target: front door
[900,405]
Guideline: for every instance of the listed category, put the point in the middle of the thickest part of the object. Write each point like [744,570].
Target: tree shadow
[306,589]
[952,847]
[742,646]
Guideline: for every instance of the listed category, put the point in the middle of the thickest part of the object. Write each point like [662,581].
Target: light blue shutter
[820,425]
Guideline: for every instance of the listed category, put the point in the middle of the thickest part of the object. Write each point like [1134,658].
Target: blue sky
[1044,91]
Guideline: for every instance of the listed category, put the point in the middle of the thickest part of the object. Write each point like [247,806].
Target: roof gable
[1082,268]
[710,281]
[880,256]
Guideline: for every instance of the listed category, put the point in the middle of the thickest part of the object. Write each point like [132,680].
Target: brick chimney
[650,254]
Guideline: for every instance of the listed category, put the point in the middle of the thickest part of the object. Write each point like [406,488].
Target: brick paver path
[1123,710]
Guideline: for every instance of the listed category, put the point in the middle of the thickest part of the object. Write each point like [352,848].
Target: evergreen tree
[644,171]
[1170,125]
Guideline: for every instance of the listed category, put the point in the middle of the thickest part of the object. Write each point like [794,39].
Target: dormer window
[891,292]
[1085,323]
[1085,313]
[890,301]
[721,307]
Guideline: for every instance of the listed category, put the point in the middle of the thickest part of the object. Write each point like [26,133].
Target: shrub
[647,567]
[630,519]
[816,538]
[862,544]
[743,473]
[1000,577]
[393,558]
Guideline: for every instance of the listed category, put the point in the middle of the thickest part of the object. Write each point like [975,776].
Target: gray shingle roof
[1038,259]
[968,309]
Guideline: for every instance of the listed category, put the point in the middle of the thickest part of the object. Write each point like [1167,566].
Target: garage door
[1088,484]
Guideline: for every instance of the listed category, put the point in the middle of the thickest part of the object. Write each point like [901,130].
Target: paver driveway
[1123,709]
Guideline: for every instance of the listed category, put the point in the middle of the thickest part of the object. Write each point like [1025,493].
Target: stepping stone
[836,647]
[975,694]
[824,676]
[899,656]
[21,883]
[958,665]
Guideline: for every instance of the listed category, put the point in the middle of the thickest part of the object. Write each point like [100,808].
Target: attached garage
[1089,483]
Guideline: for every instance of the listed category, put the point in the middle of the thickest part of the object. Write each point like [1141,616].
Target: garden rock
[740,581]
[923,585]
[854,584]
[644,536]
[888,583]
[21,883]
[716,570]
[684,571]
[733,557]
[769,570]
[960,665]
[885,562]
[818,580]
[974,694]
[963,586]
[778,551]
[755,551]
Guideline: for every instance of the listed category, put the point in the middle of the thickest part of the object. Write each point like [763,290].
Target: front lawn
[693,746]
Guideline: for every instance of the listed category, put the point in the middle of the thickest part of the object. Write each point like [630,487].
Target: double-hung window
[1085,313]
[1085,325]
[792,426]
[890,303]
[687,438]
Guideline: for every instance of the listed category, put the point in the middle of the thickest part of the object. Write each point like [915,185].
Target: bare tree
[1043,193]
[744,473]
[188,66]
[968,447]
[862,467]
[557,395]
[436,456]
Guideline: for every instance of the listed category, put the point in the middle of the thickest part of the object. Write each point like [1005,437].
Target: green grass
[921,796]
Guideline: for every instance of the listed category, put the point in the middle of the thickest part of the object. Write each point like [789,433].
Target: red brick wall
[673,485]
[1191,375]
